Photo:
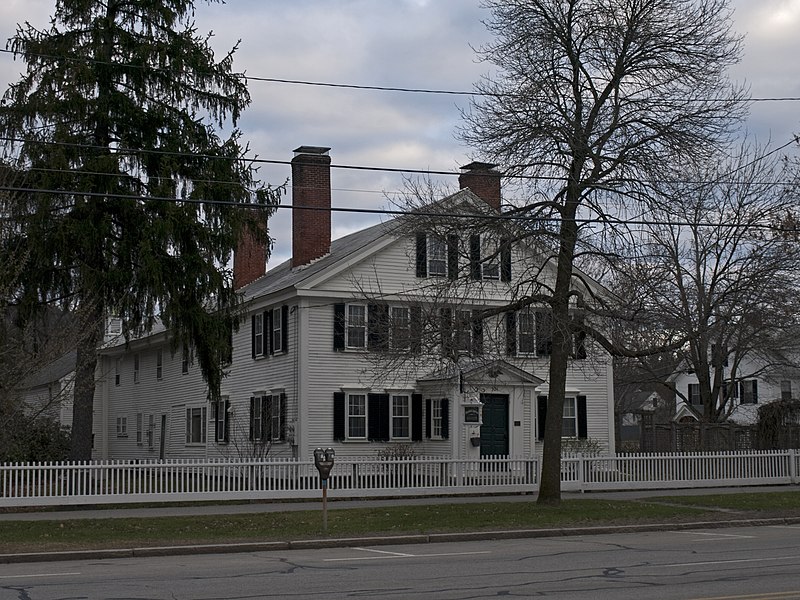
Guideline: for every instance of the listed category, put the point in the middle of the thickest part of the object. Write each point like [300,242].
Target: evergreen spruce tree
[136,196]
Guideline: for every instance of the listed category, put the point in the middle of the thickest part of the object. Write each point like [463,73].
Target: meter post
[323,460]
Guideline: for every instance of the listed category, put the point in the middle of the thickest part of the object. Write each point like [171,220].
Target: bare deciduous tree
[593,99]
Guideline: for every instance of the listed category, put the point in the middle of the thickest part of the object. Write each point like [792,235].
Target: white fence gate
[118,482]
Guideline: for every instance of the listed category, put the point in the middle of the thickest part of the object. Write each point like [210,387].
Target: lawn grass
[748,502]
[27,536]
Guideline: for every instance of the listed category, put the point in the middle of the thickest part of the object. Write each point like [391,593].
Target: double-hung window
[195,425]
[356,326]
[749,391]
[400,332]
[437,418]
[526,339]
[401,417]
[437,256]
[159,364]
[490,265]
[356,417]
[220,417]
[569,421]
[463,331]
[122,426]
[258,334]
[694,395]
[277,330]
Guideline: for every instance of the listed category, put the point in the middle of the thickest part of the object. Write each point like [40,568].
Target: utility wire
[414,171]
[605,220]
[350,86]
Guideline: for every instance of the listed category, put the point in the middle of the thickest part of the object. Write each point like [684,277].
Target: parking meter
[323,460]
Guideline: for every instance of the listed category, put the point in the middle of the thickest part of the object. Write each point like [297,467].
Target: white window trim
[277,330]
[347,326]
[432,240]
[437,418]
[203,422]
[159,364]
[392,343]
[573,402]
[406,417]
[258,334]
[490,247]
[347,415]
[122,427]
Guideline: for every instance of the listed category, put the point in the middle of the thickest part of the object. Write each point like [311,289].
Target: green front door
[494,431]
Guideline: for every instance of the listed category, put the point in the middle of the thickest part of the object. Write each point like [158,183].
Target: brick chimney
[483,180]
[249,260]
[311,203]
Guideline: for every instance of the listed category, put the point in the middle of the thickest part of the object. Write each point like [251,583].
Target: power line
[398,170]
[394,213]
[353,86]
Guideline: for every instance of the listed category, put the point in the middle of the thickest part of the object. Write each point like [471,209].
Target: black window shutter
[285,329]
[580,344]
[422,254]
[416,417]
[268,324]
[445,418]
[338,416]
[446,330]
[511,334]
[227,432]
[475,257]
[541,416]
[338,327]
[378,326]
[266,418]
[544,333]
[452,256]
[282,408]
[583,429]
[253,336]
[505,260]
[378,417]
[477,336]
[252,414]
[416,329]
[428,419]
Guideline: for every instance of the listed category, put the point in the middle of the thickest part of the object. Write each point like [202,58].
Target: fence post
[793,465]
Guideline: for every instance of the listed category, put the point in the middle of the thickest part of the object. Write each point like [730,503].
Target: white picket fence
[104,482]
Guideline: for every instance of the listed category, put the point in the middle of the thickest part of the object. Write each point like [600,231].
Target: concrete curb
[432,538]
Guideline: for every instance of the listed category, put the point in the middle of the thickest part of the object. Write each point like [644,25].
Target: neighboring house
[48,392]
[306,368]
[755,382]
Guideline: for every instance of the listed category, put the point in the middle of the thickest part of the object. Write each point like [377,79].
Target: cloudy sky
[423,44]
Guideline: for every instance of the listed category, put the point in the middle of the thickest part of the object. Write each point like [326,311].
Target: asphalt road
[753,563]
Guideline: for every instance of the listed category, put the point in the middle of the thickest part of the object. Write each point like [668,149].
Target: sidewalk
[166,510]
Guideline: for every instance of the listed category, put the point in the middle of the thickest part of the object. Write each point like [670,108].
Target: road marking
[716,536]
[36,575]
[383,552]
[724,562]
[768,596]
[386,555]
[784,526]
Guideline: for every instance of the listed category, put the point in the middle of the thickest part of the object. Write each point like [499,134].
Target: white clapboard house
[330,352]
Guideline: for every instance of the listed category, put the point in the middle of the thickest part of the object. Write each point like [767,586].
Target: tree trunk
[550,484]
[83,398]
